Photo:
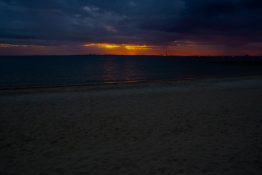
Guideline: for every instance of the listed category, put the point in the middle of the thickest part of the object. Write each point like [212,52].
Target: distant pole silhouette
[165,50]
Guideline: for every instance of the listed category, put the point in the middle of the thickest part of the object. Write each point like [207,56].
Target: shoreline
[124,85]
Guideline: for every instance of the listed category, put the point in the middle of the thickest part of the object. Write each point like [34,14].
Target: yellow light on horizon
[110,46]
[136,47]
[115,46]
[102,45]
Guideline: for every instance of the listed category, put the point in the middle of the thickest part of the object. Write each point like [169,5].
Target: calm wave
[42,71]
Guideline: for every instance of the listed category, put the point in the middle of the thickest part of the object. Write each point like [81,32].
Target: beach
[186,127]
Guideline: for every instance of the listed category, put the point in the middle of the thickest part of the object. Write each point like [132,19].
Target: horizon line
[31,55]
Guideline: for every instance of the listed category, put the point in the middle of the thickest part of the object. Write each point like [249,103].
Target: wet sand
[191,127]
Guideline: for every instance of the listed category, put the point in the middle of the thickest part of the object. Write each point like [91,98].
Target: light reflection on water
[110,71]
[78,70]
[124,70]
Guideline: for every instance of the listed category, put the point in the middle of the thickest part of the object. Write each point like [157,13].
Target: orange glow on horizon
[180,48]
[115,46]
[102,45]
[136,47]
[184,48]
[6,45]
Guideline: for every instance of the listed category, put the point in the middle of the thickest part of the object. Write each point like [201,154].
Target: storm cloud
[152,22]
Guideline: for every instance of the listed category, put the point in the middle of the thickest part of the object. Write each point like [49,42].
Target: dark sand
[194,127]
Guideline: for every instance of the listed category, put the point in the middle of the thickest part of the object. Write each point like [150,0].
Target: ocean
[52,71]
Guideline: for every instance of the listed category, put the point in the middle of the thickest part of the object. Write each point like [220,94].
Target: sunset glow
[132,27]
[179,48]
[102,45]
[136,47]
[115,46]
[184,48]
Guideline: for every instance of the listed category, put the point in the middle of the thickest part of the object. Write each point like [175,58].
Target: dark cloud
[130,21]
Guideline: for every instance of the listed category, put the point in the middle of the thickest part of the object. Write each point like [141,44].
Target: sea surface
[51,71]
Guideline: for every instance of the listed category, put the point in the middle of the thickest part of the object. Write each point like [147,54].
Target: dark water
[46,71]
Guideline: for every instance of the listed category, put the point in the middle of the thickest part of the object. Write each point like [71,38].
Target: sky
[131,27]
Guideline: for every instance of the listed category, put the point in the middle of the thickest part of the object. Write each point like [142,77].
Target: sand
[191,127]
